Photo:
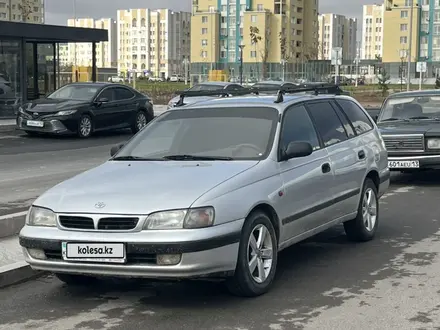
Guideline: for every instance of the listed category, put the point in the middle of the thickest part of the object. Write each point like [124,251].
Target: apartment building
[27,11]
[337,31]
[153,42]
[80,54]
[397,27]
[372,31]
[227,27]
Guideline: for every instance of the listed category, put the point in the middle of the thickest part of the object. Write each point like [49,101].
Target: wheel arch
[271,213]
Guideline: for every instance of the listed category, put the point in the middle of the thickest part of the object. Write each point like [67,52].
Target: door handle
[361,154]
[326,168]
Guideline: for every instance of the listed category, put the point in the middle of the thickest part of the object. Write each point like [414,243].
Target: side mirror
[297,150]
[115,149]
[375,118]
[102,100]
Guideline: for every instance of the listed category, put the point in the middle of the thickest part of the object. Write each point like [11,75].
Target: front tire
[364,226]
[76,280]
[257,258]
[85,126]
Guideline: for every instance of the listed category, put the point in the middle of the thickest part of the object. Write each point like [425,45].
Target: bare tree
[26,9]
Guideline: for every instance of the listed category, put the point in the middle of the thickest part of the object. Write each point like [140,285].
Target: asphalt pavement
[324,283]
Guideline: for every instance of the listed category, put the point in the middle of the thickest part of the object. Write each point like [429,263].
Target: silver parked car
[215,189]
[207,87]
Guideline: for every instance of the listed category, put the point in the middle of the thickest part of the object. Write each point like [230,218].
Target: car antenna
[181,100]
[280,97]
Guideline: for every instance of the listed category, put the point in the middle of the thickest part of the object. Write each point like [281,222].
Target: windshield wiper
[195,157]
[395,119]
[137,158]
[423,117]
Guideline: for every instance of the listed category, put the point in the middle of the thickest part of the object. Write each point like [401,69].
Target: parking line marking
[13,215]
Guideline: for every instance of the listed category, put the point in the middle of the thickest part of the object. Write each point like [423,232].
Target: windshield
[411,108]
[75,92]
[205,87]
[228,133]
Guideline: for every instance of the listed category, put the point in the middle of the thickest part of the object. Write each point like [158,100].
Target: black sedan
[85,108]
[409,123]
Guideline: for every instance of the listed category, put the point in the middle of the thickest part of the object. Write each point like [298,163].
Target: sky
[58,11]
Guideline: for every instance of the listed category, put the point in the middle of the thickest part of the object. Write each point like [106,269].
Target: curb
[17,273]
[10,226]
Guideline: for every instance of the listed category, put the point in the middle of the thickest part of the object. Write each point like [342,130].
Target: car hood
[140,187]
[52,105]
[412,127]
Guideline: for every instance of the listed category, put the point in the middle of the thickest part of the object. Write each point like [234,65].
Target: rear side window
[327,123]
[356,115]
[123,94]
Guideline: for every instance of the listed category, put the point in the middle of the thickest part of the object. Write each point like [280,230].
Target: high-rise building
[155,42]
[266,31]
[80,54]
[337,31]
[372,31]
[22,11]
[397,31]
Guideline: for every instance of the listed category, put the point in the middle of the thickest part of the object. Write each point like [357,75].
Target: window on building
[204,19]
[204,31]
[404,27]
[204,42]
[403,40]
[404,14]
[260,7]
[254,19]
[253,54]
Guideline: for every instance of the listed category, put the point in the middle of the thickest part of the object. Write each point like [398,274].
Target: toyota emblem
[100,205]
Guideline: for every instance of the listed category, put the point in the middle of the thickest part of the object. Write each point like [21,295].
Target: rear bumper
[425,161]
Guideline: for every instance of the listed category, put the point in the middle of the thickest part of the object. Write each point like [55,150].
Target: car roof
[416,93]
[97,84]
[274,82]
[218,83]
[252,101]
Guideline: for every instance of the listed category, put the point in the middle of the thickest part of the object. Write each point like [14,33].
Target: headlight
[181,219]
[65,112]
[433,143]
[38,216]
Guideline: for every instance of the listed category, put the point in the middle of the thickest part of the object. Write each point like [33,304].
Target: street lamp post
[241,63]
[402,54]
[411,3]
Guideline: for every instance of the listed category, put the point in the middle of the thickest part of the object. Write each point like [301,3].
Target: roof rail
[302,88]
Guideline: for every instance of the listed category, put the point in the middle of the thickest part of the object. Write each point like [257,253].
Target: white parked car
[176,78]
[116,79]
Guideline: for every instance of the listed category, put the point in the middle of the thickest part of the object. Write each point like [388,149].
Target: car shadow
[423,178]
[72,137]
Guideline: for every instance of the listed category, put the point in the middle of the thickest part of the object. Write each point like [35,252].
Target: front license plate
[403,164]
[94,252]
[35,123]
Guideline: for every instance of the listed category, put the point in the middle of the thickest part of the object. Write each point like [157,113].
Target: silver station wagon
[215,189]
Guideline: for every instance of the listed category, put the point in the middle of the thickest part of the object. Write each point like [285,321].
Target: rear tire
[364,226]
[76,280]
[141,120]
[85,126]
[257,258]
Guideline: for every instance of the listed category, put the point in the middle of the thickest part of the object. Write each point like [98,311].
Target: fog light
[168,259]
[37,254]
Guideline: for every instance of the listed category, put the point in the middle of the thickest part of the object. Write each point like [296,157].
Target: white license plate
[35,123]
[94,252]
[403,164]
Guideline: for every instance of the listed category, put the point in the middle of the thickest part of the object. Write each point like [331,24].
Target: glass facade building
[29,60]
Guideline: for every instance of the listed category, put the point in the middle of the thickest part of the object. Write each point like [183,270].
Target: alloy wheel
[141,121]
[369,209]
[85,126]
[260,253]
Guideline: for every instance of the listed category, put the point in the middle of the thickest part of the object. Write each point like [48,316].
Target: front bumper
[425,161]
[204,252]
[53,126]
